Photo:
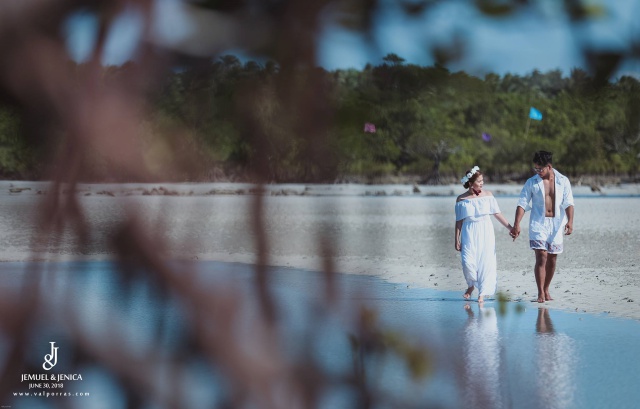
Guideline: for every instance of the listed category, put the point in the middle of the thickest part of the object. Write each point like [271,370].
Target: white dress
[478,243]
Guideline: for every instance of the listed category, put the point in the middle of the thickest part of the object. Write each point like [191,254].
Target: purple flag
[486,137]
[369,127]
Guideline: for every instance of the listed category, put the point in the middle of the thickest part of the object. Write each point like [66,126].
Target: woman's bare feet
[547,296]
[480,299]
[467,294]
[540,298]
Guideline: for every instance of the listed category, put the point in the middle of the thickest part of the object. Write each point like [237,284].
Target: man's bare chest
[549,189]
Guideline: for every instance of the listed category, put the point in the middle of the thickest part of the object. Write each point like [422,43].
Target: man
[548,195]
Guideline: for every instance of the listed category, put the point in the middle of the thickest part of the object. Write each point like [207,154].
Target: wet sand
[385,231]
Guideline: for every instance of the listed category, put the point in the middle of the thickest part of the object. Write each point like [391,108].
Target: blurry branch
[286,120]
[18,310]
[87,119]
[284,123]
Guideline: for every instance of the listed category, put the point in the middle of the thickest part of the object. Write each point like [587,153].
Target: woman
[474,235]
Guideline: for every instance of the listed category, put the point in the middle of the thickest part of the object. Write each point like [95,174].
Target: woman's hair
[472,179]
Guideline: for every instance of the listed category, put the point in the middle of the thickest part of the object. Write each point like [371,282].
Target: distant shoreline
[201,189]
[405,179]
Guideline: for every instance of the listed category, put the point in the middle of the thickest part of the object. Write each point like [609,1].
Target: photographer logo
[50,360]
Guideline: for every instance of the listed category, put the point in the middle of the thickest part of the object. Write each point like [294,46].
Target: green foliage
[306,124]
[16,157]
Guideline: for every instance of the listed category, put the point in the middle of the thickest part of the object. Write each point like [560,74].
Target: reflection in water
[555,362]
[482,359]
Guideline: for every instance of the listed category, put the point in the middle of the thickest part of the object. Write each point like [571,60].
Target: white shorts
[544,237]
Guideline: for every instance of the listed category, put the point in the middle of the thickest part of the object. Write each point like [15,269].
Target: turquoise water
[496,355]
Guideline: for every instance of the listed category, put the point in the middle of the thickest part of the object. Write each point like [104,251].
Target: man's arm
[567,203]
[521,208]
[568,228]
[515,230]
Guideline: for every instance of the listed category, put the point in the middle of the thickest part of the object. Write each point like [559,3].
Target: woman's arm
[457,243]
[502,220]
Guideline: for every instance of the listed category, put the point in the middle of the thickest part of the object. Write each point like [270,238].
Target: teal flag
[535,114]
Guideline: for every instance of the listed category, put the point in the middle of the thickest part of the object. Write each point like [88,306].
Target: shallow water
[498,355]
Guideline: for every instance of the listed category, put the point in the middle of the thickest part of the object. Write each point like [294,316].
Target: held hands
[458,246]
[515,232]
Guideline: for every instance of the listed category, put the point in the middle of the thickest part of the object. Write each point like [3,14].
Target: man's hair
[542,158]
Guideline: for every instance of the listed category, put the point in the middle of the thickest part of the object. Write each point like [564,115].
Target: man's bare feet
[540,298]
[467,294]
[480,299]
[547,296]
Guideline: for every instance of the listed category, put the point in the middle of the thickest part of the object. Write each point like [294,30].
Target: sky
[537,38]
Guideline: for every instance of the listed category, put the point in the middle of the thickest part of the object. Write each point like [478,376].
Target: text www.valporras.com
[49,394]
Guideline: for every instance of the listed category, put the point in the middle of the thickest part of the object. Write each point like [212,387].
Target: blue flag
[535,114]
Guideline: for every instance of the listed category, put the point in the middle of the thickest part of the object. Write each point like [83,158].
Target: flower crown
[472,172]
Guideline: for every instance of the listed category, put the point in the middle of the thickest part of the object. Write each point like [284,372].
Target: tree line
[213,120]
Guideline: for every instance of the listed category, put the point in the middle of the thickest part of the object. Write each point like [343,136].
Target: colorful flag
[369,127]
[486,137]
[535,114]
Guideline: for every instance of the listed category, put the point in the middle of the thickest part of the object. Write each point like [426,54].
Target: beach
[393,232]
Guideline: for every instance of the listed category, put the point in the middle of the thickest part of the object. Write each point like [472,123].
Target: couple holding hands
[549,198]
